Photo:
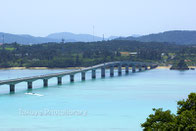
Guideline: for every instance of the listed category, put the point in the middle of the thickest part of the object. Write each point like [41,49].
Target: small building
[124,53]
[18,55]
[133,53]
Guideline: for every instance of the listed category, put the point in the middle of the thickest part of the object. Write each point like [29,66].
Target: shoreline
[38,68]
[168,67]
[68,68]
[163,67]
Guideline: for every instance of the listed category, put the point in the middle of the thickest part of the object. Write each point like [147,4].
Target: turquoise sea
[120,103]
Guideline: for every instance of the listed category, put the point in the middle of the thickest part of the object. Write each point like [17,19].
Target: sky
[109,17]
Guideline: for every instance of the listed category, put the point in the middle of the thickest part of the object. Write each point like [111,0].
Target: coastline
[68,68]
[38,68]
[168,67]
[163,67]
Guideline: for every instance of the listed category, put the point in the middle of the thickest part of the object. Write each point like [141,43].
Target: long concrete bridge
[110,65]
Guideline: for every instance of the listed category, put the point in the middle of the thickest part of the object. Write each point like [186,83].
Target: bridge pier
[83,75]
[12,88]
[103,72]
[72,78]
[45,82]
[127,69]
[133,69]
[59,80]
[140,68]
[119,70]
[30,84]
[93,74]
[111,71]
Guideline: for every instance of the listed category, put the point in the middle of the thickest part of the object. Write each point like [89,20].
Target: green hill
[178,37]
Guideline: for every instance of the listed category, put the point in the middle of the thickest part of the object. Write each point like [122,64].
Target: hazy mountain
[136,35]
[24,39]
[112,37]
[76,37]
[178,37]
[55,37]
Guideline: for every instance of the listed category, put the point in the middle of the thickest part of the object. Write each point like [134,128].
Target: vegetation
[178,37]
[185,120]
[180,66]
[86,54]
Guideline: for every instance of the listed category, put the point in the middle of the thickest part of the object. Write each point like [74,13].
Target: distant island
[181,65]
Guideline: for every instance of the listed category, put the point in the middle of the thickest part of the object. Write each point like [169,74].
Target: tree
[159,120]
[184,120]
[77,61]
[181,65]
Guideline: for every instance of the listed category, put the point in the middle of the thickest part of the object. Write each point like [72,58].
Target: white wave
[34,94]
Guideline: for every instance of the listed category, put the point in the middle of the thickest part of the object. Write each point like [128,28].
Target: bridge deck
[48,76]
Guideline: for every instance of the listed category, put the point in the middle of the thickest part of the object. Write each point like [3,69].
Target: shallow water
[117,103]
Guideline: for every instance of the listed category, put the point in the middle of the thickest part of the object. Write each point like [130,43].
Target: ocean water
[120,103]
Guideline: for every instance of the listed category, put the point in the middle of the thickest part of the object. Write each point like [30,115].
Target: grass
[8,48]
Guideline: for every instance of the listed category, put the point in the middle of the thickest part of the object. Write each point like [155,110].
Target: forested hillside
[85,54]
[178,37]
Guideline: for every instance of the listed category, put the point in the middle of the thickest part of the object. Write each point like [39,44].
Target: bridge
[110,65]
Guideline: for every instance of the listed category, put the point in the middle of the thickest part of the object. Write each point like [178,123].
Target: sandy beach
[38,68]
[71,68]
[163,67]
